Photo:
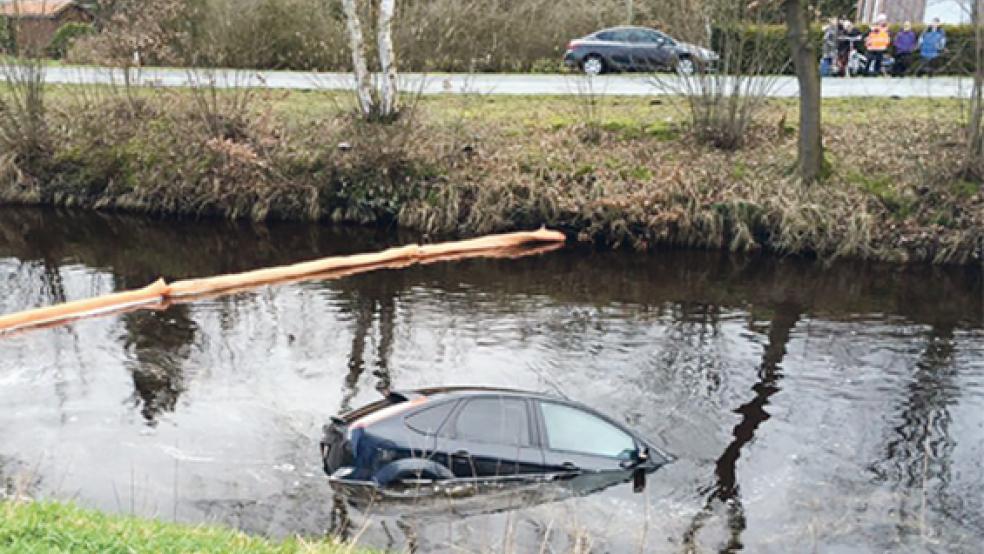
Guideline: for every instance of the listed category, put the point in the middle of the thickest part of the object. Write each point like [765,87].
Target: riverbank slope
[611,170]
[53,527]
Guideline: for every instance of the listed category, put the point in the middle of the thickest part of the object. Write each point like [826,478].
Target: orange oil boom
[160,293]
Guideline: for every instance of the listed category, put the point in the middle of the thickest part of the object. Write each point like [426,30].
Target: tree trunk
[363,86]
[387,58]
[975,135]
[810,151]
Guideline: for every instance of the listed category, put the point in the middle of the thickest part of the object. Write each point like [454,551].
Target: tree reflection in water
[918,456]
[369,298]
[157,344]
[726,490]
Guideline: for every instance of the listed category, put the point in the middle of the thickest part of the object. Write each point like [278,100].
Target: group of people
[847,51]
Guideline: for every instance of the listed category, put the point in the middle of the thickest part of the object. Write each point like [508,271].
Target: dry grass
[470,164]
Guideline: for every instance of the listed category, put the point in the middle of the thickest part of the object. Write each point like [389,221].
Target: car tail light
[572,44]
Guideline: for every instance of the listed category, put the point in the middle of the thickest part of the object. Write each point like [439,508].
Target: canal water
[831,408]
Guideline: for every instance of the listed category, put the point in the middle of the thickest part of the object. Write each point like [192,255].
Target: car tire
[411,468]
[593,64]
[686,66]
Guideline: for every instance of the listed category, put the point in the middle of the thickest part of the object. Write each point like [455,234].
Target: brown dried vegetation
[467,165]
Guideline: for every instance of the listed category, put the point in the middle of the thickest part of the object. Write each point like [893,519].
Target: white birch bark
[363,86]
[387,58]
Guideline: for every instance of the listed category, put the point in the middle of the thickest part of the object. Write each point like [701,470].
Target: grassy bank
[616,171]
[51,527]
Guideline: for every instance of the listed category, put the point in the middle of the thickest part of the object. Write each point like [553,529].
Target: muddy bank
[613,172]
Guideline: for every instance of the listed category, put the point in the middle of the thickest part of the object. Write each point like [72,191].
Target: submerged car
[465,439]
[636,49]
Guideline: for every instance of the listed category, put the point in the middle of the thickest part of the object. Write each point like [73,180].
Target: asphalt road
[489,83]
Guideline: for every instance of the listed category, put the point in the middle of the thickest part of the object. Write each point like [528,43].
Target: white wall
[949,11]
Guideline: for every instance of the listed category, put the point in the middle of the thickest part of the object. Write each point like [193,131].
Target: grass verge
[629,173]
[48,527]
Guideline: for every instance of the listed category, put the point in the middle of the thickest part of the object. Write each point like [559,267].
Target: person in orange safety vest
[877,42]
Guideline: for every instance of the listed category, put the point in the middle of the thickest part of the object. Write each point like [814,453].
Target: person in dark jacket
[849,39]
[905,44]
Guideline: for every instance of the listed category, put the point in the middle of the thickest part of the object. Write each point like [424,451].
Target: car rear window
[496,420]
[606,35]
[428,421]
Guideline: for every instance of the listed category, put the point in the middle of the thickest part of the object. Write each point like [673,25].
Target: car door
[662,51]
[643,50]
[595,452]
[619,49]
[491,436]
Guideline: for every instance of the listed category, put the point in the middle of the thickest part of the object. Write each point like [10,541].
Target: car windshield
[574,430]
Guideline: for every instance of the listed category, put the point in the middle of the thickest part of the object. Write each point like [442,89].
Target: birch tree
[387,61]
[381,102]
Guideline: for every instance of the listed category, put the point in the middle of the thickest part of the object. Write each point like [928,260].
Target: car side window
[636,36]
[619,36]
[655,37]
[574,430]
[606,35]
[429,420]
[496,420]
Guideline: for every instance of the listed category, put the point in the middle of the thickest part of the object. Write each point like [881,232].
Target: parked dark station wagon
[466,435]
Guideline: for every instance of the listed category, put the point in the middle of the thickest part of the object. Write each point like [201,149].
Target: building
[35,22]
[952,12]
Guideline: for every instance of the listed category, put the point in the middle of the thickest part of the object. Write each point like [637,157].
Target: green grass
[47,527]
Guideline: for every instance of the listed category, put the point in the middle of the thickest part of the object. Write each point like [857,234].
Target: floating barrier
[161,294]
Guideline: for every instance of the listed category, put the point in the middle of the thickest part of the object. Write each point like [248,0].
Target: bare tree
[374,103]
[810,147]
[387,58]
[363,87]
[975,133]
[723,96]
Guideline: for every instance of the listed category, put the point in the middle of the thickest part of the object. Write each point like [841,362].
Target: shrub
[6,36]
[65,36]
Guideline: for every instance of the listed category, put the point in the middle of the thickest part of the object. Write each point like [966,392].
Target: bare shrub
[723,98]
[136,32]
[297,34]
[23,125]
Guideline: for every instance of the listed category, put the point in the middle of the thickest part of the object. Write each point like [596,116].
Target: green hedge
[769,39]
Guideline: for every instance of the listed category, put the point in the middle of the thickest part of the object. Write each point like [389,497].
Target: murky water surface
[837,408]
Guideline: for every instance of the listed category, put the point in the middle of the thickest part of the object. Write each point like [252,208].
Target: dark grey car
[636,49]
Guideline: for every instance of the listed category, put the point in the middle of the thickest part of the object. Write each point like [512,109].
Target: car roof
[438,393]
[461,391]
[625,28]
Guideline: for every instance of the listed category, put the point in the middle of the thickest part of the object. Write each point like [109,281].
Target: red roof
[34,8]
